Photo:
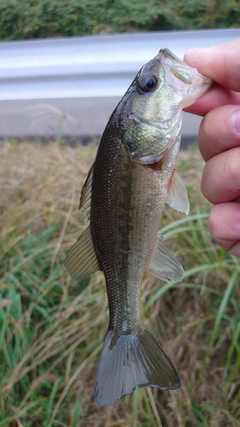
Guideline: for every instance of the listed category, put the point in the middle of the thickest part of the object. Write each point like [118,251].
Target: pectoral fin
[81,261]
[177,196]
[164,265]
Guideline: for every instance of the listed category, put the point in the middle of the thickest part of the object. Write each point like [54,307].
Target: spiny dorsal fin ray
[81,261]
[177,196]
[85,198]
[164,265]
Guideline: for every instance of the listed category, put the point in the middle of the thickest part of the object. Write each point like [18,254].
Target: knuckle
[214,223]
[206,126]
[233,70]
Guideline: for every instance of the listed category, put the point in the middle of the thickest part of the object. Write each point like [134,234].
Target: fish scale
[112,234]
[132,178]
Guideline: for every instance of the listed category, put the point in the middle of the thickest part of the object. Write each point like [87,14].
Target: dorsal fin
[85,198]
[81,261]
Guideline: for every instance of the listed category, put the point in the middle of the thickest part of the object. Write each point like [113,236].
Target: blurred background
[64,65]
[60,83]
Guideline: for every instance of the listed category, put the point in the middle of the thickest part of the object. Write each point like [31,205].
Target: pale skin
[219,139]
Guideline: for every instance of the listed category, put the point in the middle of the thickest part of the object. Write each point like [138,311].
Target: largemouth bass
[133,176]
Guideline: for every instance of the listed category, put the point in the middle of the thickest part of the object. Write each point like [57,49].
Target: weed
[52,329]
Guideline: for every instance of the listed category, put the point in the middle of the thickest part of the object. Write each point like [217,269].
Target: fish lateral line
[122,201]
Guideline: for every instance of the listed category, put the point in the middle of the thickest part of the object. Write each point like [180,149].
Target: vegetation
[56,18]
[52,329]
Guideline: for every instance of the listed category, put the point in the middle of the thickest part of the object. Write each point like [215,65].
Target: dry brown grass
[52,329]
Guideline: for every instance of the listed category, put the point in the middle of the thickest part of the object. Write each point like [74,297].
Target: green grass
[52,329]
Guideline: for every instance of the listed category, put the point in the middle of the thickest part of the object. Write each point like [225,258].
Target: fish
[122,201]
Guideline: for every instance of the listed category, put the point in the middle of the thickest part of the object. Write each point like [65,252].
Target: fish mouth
[189,77]
[168,54]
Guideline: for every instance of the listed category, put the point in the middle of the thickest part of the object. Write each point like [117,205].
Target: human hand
[219,139]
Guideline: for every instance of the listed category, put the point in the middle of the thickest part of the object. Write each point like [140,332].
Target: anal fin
[164,265]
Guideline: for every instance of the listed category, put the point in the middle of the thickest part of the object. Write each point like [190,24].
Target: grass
[52,329]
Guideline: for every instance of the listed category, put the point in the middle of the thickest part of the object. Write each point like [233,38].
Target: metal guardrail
[71,85]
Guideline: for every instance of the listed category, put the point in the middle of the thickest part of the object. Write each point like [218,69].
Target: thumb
[220,63]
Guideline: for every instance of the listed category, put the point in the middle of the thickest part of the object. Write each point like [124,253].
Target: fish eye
[148,83]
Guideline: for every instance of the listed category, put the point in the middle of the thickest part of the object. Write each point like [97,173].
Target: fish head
[151,110]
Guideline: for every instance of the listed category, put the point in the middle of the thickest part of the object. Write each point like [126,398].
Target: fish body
[132,178]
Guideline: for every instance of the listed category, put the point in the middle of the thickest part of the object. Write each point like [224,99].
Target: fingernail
[236,120]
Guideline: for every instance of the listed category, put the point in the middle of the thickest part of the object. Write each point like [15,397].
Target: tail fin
[132,360]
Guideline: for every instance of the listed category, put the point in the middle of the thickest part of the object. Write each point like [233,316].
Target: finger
[219,131]
[221,63]
[224,226]
[215,97]
[221,177]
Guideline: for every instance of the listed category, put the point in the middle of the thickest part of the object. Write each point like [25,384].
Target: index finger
[216,96]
